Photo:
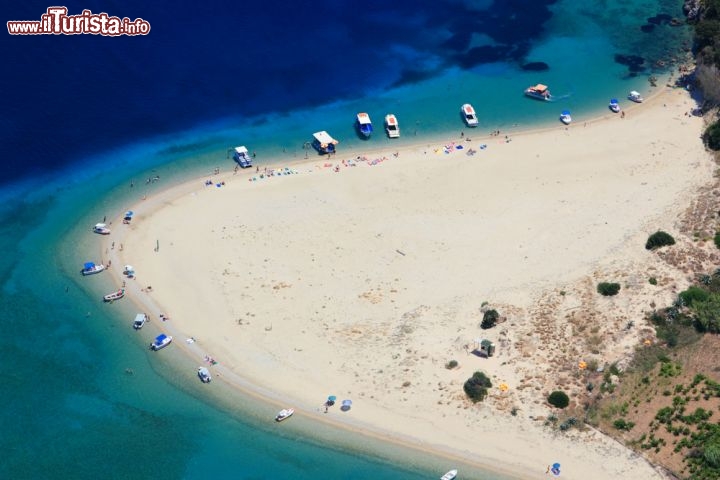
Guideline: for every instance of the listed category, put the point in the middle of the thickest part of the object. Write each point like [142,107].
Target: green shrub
[476,387]
[451,364]
[558,399]
[653,281]
[608,289]
[694,294]
[489,319]
[711,137]
[717,239]
[659,239]
[621,424]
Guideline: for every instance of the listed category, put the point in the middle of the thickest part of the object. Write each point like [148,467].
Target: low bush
[490,319]
[451,364]
[694,294]
[712,136]
[476,387]
[659,239]
[717,239]
[558,399]
[608,289]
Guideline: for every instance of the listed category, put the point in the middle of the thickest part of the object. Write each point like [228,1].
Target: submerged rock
[536,66]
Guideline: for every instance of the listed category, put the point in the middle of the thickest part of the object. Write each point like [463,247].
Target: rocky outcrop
[692,9]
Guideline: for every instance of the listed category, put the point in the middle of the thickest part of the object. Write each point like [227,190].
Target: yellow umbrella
[582,365]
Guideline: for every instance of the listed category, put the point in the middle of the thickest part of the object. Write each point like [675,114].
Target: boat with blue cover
[364,124]
[565,117]
[161,341]
[614,106]
[90,268]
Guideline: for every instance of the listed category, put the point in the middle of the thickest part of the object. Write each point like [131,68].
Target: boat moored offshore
[391,126]
[90,268]
[539,92]
[161,341]
[364,125]
[117,295]
[242,157]
[614,106]
[101,228]
[635,97]
[469,115]
[565,117]
[323,142]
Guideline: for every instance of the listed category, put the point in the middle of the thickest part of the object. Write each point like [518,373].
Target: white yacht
[468,113]
[391,126]
[635,97]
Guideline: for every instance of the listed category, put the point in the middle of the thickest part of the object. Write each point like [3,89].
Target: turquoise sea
[86,117]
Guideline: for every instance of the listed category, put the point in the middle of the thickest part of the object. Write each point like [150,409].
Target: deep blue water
[83,115]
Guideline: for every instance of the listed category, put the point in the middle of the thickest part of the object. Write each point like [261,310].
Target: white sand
[364,282]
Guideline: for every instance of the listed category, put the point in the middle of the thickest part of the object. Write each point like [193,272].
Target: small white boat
[468,113]
[364,124]
[565,117]
[449,475]
[391,126]
[204,375]
[161,341]
[284,414]
[114,295]
[614,106]
[89,268]
[139,321]
[242,157]
[323,142]
[538,92]
[635,97]
[101,228]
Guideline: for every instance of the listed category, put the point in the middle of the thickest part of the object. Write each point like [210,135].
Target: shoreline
[173,193]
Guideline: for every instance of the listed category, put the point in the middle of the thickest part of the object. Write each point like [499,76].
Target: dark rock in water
[629,60]
[647,28]
[480,55]
[536,67]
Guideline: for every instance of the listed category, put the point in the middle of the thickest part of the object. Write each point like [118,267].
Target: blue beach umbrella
[332,398]
[555,470]
[614,100]
[129,213]
[566,112]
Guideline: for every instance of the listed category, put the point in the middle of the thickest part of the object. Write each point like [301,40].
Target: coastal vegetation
[608,289]
[476,387]
[659,239]
[558,399]
[706,23]
[490,319]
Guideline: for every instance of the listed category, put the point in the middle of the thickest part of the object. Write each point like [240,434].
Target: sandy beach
[363,276]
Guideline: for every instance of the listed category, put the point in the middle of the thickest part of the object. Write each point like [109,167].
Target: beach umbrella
[332,398]
[613,100]
[129,213]
[346,405]
[555,470]
[566,112]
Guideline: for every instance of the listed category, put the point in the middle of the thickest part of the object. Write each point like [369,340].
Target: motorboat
[391,126]
[364,125]
[538,92]
[323,142]
[90,268]
[284,414]
[139,321]
[204,375]
[242,157]
[468,114]
[101,228]
[565,117]
[161,341]
[114,295]
[635,97]
[614,106]
[449,475]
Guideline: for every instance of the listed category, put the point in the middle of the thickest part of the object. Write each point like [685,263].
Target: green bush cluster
[659,239]
[608,289]
[476,387]
[490,319]
[558,399]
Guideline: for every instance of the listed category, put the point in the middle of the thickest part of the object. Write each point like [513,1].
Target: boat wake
[557,98]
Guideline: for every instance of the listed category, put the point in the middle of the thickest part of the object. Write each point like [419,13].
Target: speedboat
[323,142]
[539,92]
[449,475]
[161,341]
[468,113]
[614,106]
[242,157]
[204,375]
[114,295]
[101,228]
[391,126]
[139,321]
[284,414]
[89,268]
[364,124]
[565,117]
[635,97]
